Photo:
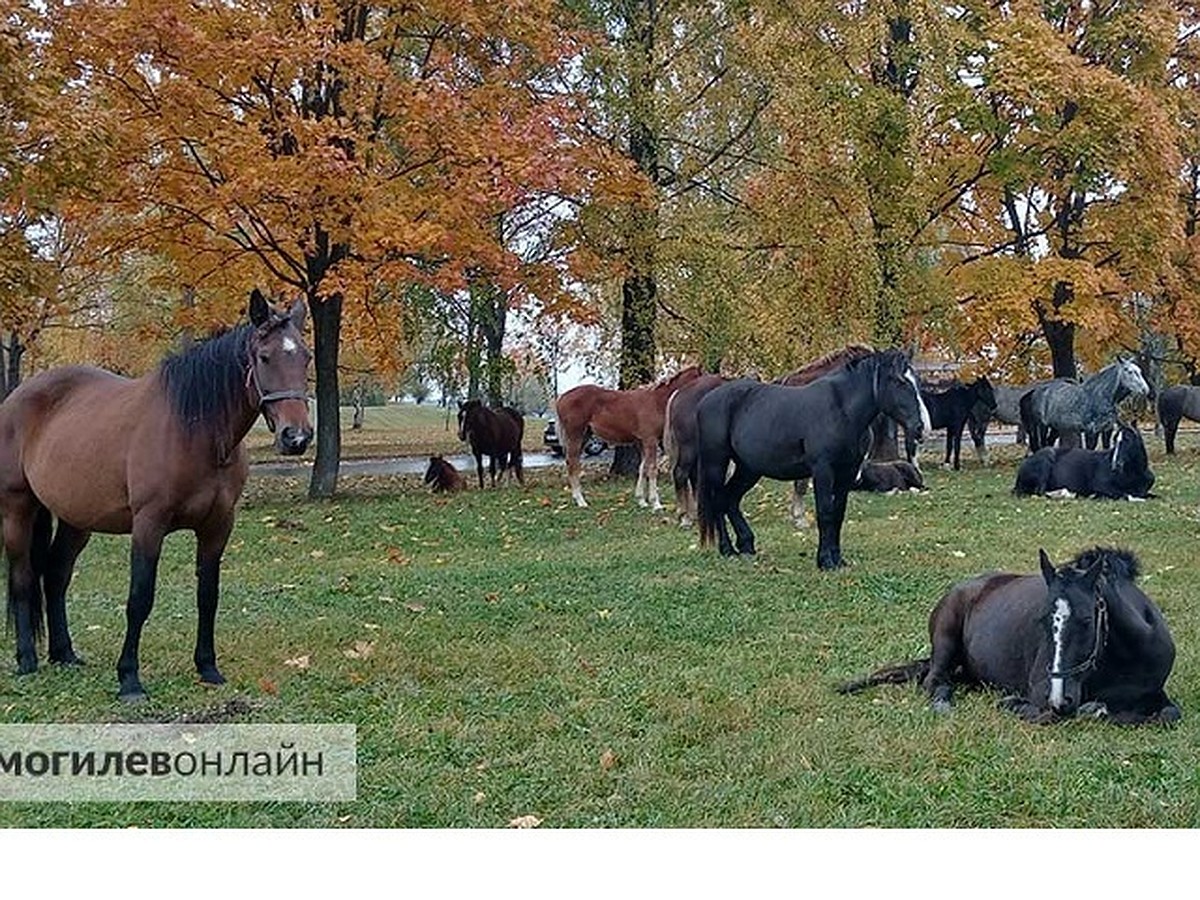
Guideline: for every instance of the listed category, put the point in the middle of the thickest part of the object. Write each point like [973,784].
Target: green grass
[519,641]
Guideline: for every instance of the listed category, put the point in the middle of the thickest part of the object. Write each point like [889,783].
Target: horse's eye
[264,358]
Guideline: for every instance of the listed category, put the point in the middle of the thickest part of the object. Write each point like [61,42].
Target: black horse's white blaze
[1058,630]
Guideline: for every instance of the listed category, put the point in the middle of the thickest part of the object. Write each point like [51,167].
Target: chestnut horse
[146,456]
[619,417]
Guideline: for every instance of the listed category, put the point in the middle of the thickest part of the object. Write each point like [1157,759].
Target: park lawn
[512,655]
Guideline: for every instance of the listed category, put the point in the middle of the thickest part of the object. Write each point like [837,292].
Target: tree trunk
[327,326]
[356,423]
[1060,335]
[14,350]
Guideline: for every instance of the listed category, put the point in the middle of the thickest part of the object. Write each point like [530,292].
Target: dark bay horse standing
[1175,403]
[498,433]
[1119,473]
[1064,407]
[619,417]
[952,408]
[145,457]
[820,431]
[1080,639]
[681,442]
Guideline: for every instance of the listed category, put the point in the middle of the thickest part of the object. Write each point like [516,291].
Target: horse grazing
[1062,406]
[145,457]
[1175,403]
[619,417]
[498,433]
[819,431]
[1080,639]
[1123,471]
[888,477]
[442,477]
[952,408]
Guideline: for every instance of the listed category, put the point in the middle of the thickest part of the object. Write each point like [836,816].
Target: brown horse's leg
[648,476]
[143,574]
[210,547]
[69,542]
[572,448]
[479,467]
[24,592]
[799,489]
[518,465]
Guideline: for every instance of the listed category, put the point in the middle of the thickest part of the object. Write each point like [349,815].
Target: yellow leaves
[526,821]
[301,663]
[360,650]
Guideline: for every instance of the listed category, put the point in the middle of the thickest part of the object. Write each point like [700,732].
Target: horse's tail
[711,465]
[670,448]
[902,673]
[39,559]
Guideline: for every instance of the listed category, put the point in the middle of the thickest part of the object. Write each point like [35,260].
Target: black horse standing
[496,432]
[818,431]
[1123,471]
[1082,639]
[954,408]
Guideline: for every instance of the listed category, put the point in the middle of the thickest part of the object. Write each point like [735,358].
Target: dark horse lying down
[1123,471]
[818,431]
[1081,639]
[442,477]
[893,475]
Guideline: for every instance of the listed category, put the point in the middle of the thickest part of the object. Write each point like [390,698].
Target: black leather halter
[268,397]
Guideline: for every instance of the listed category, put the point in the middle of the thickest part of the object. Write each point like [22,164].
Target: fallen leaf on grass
[415,607]
[491,597]
[396,555]
[530,821]
[608,760]
[267,686]
[317,554]
[360,650]
[299,662]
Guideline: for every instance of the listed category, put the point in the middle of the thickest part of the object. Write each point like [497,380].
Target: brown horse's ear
[297,314]
[1047,567]
[260,309]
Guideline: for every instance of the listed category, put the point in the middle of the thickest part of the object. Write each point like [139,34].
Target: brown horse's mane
[670,379]
[827,363]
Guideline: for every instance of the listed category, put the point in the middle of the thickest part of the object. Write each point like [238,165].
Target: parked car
[592,446]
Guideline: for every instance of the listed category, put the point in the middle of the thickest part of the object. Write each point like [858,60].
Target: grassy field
[512,655]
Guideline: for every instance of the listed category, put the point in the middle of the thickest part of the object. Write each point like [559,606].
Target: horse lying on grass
[443,477]
[888,477]
[1119,473]
[1082,639]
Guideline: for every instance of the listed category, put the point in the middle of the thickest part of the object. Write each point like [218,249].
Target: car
[592,446]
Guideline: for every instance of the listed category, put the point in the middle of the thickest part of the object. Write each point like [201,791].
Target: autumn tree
[341,147]
[1078,216]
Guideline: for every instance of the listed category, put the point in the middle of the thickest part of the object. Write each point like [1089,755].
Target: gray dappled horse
[1090,407]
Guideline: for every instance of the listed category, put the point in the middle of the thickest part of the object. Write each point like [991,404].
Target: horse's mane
[1116,562]
[843,356]
[206,383]
[668,379]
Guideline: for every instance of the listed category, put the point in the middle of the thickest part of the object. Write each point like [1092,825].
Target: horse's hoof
[26,667]
[941,706]
[1093,709]
[68,659]
[133,696]
[211,677]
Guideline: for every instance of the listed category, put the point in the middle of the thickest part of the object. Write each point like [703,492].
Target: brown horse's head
[278,373]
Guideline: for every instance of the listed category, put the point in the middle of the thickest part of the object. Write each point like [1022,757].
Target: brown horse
[496,432]
[145,457]
[443,477]
[619,417]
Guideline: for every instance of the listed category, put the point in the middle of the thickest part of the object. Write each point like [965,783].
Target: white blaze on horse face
[288,345]
[1062,612]
[926,423]
[1116,450]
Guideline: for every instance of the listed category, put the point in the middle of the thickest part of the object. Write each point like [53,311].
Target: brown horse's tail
[901,673]
[39,559]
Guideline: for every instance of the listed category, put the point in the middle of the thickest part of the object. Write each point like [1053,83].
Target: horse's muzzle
[293,440]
